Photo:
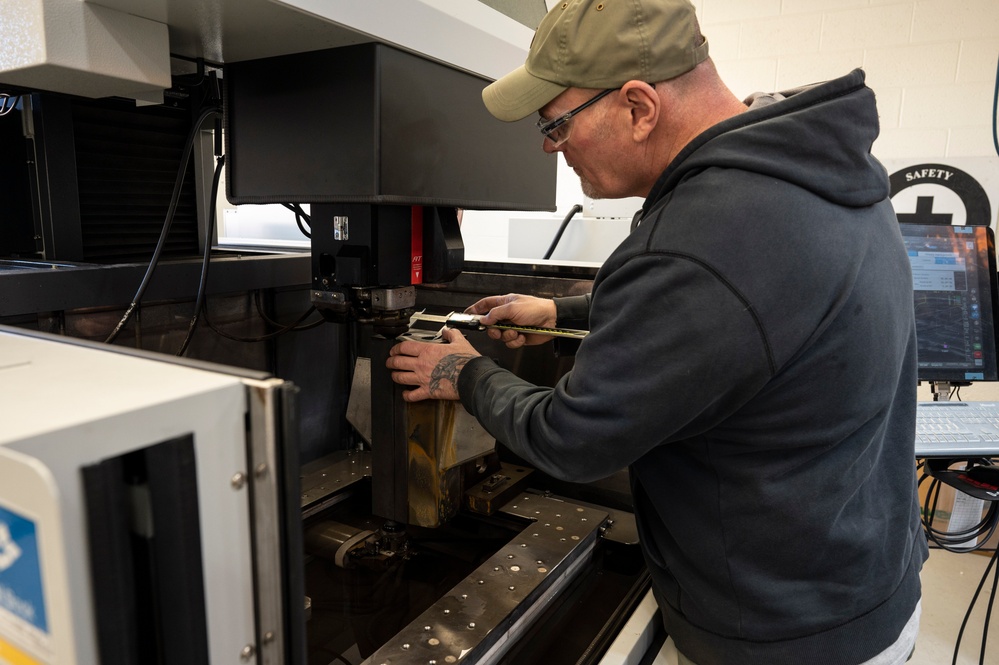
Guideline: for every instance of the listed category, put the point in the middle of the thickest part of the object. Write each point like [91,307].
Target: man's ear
[644,106]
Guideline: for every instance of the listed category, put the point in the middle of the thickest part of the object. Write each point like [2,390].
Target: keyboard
[957,429]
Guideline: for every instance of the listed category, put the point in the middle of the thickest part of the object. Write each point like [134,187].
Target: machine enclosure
[373,124]
[179,561]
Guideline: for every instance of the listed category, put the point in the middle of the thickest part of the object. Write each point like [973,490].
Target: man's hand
[432,368]
[517,309]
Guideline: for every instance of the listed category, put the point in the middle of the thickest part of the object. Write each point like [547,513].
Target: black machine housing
[389,141]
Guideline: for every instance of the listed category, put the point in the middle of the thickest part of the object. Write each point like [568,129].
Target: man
[751,356]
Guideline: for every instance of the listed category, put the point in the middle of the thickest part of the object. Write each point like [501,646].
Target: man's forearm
[445,373]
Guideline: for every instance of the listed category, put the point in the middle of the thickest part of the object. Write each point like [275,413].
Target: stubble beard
[588,189]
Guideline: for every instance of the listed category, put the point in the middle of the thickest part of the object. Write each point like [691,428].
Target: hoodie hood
[817,137]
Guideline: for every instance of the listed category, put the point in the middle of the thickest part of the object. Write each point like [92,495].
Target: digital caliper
[471,322]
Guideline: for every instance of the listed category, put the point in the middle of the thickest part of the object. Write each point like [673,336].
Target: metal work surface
[477,620]
[325,479]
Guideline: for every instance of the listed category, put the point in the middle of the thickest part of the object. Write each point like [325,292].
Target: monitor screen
[954,290]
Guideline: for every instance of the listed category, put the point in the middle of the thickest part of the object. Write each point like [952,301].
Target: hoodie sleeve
[672,350]
[573,312]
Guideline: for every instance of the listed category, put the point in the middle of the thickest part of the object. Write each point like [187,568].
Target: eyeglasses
[557,131]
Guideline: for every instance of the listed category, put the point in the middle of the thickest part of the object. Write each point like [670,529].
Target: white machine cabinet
[125,477]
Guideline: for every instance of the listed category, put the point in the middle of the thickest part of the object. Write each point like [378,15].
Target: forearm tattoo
[448,369]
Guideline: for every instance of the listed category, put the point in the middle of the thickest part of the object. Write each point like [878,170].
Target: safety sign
[23,617]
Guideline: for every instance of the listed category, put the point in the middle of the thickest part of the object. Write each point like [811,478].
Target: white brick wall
[932,63]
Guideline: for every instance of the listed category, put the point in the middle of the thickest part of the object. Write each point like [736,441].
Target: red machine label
[416,243]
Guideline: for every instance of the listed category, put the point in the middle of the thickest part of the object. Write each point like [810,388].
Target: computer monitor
[955,296]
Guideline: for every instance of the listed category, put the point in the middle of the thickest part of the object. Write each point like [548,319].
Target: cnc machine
[406,536]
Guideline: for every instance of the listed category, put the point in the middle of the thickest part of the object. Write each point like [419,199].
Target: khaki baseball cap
[599,44]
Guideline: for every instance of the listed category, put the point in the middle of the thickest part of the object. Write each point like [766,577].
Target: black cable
[561,229]
[209,235]
[167,223]
[956,541]
[988,614]
[995,112]
[299,215]
[306,216]
[265,317]
[974,599]
[261,338]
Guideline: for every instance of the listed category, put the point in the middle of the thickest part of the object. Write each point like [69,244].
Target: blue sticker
[20,570]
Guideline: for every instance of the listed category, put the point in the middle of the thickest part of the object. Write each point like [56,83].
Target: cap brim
[519,94]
